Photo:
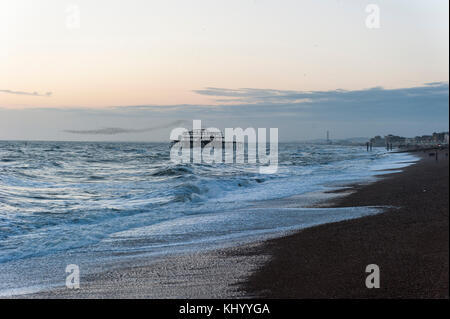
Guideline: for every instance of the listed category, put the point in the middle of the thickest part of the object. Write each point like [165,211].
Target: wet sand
[205,275]
[409,242]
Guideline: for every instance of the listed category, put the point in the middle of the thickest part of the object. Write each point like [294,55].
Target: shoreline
[260,269]
[409,242]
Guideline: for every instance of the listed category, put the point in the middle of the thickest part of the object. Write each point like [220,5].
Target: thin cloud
[47,94]
[376,104]
[270,96]
[119,130]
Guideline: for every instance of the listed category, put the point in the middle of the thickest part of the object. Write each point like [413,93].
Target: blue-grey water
[80,202]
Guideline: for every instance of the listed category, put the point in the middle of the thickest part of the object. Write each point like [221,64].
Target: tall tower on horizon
[328,137]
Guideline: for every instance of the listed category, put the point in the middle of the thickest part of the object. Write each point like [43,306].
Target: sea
[96,204]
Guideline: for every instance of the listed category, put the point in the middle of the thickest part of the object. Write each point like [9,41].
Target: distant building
[400,141]
[378,141]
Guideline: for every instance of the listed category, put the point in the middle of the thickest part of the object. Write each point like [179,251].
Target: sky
[132,70]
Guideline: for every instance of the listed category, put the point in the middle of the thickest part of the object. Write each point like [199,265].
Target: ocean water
[94,203]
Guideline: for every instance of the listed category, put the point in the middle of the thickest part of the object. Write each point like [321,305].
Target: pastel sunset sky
[303,66]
